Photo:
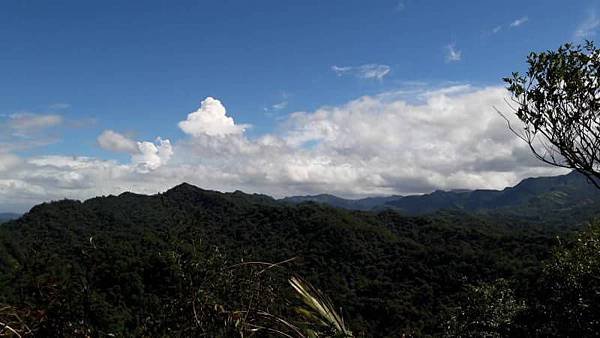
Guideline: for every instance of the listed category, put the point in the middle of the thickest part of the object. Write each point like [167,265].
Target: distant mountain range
[7,216]
[548,200]
[539,198]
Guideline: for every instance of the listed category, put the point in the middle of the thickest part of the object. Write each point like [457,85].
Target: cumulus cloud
[210,119]
[386,144]
[392,143]
[152,155]
[146,156]
[452,53]
[368,71]
[588,28]
[113,141]
[518,22]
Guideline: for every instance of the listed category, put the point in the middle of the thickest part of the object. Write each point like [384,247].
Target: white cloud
[368,71]
[279,106]
[23,131]
[8,161]
[210,119]
[588,28]
[518,22]
[393,143]
[27,122]
[145,156]
[452,53]
[446,138]
[152,155]
[113,141]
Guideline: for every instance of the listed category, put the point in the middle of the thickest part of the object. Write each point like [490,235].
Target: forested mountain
[551,201]
[116,264]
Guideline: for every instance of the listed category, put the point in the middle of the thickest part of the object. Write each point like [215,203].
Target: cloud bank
[445,138]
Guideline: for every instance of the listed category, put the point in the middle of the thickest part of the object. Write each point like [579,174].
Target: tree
[567,296]
[488,310]
[558,101]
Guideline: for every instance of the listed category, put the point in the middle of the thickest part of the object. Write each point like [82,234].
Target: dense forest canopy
[122,264]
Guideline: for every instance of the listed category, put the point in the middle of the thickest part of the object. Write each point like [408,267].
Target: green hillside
[109,262]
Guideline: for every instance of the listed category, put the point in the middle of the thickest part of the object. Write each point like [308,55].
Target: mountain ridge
[534,200]
[572,184]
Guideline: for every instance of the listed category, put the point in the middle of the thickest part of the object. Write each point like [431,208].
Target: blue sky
[139,67]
